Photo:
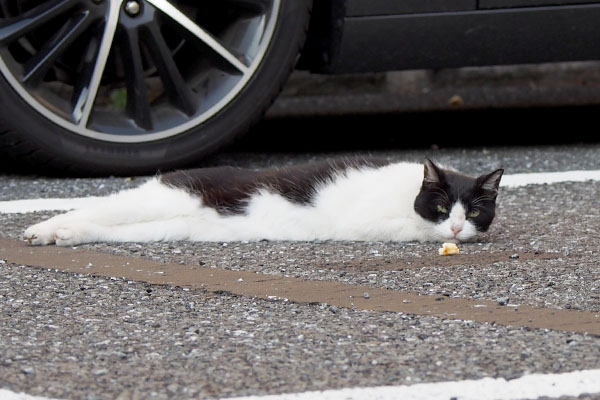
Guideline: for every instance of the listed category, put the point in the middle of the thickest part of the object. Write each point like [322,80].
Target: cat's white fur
[368,204]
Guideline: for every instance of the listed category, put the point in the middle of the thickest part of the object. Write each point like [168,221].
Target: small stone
[28,370]
[514,256]
[366,295]
[502,301]
[119,354]
[333,309]
[102,371]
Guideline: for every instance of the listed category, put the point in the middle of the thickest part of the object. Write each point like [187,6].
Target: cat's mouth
[456,237]
[452,232]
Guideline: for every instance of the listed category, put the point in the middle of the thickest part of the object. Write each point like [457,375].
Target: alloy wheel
[132,71]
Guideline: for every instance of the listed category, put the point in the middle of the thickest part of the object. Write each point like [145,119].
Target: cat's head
[459,205]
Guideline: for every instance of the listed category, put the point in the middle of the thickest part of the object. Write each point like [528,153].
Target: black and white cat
[351,199]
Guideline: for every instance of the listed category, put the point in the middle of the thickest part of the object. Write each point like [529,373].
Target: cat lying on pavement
[362,199]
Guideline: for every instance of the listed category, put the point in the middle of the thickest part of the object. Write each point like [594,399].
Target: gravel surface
[470,160]
[562,222]
[474,160]
[72,336]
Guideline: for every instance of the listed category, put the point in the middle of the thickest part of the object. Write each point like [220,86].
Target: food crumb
[448,249]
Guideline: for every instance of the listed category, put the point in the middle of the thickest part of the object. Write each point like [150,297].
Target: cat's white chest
[371,205]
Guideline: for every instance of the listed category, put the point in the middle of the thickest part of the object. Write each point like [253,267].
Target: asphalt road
[82,336]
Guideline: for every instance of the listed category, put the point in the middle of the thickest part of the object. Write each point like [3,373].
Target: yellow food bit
[448,249]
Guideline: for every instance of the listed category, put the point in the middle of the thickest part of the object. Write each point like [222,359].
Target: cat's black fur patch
[444,188]
[227,189]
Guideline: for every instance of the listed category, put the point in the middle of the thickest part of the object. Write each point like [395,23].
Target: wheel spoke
[82,81]
[83,109]
[13,28]
[37,66]
[176,87]
[179,17]
[138,105]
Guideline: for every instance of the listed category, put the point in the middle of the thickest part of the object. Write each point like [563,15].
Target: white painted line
[533,386]
[8,395]
[33,205]
[511,181]
[527,387]
[539,178]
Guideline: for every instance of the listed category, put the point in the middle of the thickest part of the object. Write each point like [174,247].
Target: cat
[354,199]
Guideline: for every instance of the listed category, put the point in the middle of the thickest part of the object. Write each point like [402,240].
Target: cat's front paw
[41,234]
[61,234]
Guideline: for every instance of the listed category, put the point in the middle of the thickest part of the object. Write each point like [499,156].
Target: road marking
[510,181]
[53,204]
[8,395]
[532,386]
[526,387]
[277,287]
[540,178]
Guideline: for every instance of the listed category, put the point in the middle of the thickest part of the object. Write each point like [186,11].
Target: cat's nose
[456,229]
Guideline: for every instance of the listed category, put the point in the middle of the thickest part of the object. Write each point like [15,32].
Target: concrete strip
[8,395]
[33,205]
[572,384]
[493,87]
[539,178]
[272,287]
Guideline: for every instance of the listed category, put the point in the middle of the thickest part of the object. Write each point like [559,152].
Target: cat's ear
[432,172]
[491,182]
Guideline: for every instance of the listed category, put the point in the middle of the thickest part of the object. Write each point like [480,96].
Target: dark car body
[381,35]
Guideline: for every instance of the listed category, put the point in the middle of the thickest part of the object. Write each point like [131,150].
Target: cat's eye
[473,213]
[442,209]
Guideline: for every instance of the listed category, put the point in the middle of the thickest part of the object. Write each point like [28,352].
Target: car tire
[160,95]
